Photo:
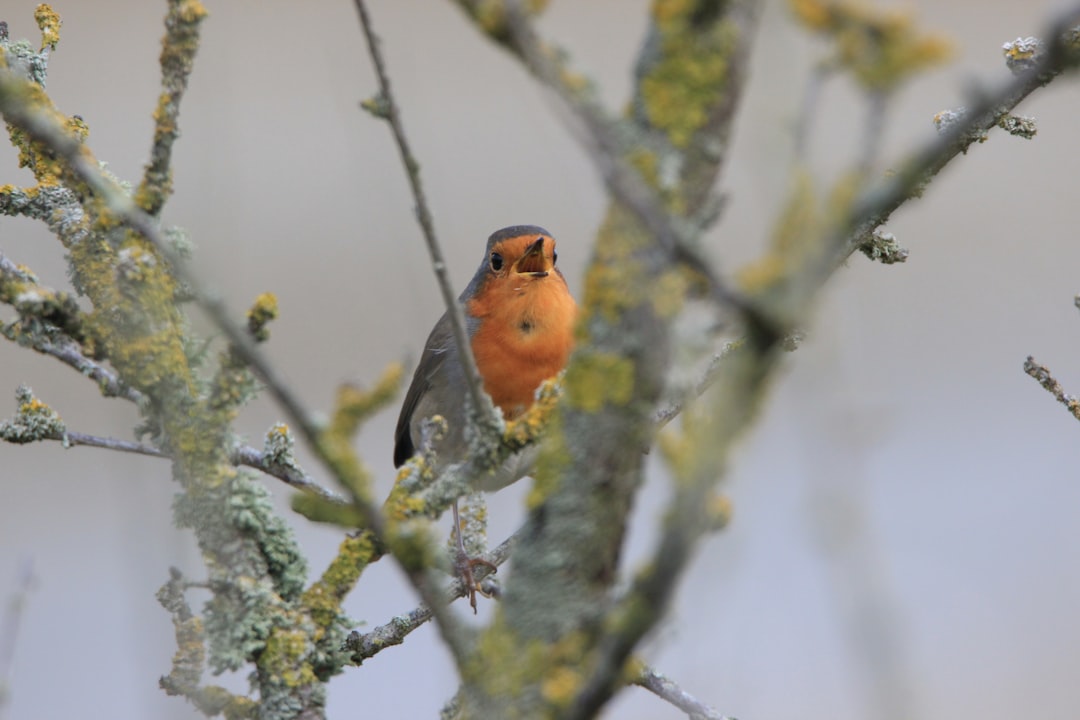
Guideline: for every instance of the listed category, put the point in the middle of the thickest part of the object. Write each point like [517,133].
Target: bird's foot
[466,570]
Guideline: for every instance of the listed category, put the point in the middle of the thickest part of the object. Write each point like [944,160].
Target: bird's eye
[496,261]
[554,257]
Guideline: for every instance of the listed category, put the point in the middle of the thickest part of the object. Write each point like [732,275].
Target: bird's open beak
[534,261]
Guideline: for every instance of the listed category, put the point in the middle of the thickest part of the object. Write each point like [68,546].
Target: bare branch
[670,691]
[75,439]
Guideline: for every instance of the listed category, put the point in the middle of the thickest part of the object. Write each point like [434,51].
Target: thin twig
[670,691]
[669,412]
[394,632]
[74,439]
[483,412]
[177,58]
[242,455]
[68,352]
[1042,374]
[291,475]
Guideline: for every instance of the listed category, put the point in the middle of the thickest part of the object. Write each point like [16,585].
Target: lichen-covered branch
[178,49]
[782,288]
[1042,375]
[367,645]
[586,477]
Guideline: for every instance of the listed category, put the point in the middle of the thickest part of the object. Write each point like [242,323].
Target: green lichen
[551,465]
[616,280]
[596,379]
[679,91]
[33,421]
[257,568]
[284,658]
[542,677]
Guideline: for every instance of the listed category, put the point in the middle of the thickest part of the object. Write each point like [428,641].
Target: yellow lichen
[596,379]
[262,311]
[719,510]
[680,90]
[669,292]
[191,11]
[551,465]
[48,21]
[283,658]
[881,48]
[323,598]
[561,685]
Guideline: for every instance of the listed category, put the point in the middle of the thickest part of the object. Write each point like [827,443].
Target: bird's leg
[465,564]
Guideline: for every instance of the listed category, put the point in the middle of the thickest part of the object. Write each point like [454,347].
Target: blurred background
[905,539]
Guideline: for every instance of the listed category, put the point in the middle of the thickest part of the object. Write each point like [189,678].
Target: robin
[519,316]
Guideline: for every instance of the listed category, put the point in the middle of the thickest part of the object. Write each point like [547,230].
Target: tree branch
[599,135]
[1042,375]
[44,128]
[742,383]
[394,632]
[482,412]
[670,691]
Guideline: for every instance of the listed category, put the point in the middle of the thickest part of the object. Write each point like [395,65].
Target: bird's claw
[465,567]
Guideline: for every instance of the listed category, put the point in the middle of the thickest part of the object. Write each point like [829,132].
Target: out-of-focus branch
[586,479]
[874,207]
[9,628]
[741,382]
[599,135]
[667,689]
[481,412]
[1042,375]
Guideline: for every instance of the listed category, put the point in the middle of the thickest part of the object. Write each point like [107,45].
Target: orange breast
[525,336]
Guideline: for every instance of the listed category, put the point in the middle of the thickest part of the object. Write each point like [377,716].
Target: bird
[519,316]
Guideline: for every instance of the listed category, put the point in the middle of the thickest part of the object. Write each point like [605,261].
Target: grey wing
[439,347]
